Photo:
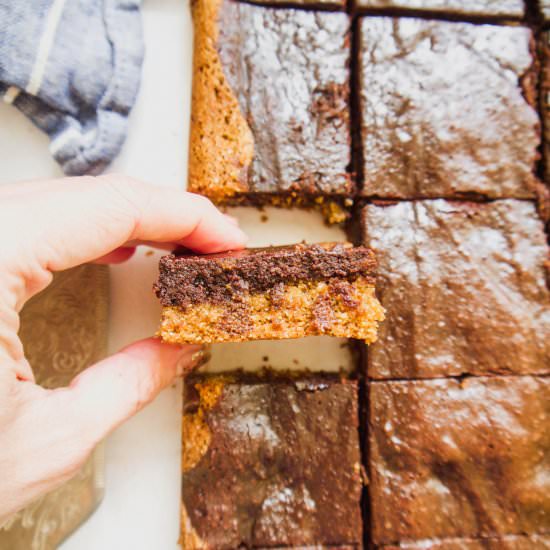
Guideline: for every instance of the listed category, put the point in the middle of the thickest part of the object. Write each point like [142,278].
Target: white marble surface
[141,505]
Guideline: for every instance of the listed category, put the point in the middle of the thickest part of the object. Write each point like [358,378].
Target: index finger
[64,223]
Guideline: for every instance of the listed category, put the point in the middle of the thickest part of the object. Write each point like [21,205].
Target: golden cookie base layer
[337,308]
[221,144]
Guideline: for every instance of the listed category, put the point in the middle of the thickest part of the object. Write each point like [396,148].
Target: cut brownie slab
[452,458]
[269,293]
[270,461]
[447,109]
[270,113]
[464,288]
[479,8]
[512,542]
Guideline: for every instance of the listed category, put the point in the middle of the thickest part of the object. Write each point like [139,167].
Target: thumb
[113,390]
[48,434]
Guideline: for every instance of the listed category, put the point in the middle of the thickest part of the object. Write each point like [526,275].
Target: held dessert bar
[270,109]
[459,458]
[448,109]
[269,293]
[493,9]
[464,289]
[270,461]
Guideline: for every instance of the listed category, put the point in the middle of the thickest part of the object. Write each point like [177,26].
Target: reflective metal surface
[64,330]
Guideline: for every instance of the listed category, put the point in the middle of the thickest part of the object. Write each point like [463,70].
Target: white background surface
[141,506]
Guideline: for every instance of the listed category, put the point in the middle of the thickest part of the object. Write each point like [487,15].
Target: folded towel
[73,67]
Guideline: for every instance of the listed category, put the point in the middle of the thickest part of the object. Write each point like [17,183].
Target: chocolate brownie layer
[270,462]
[270,110]
[533,542]
[480,8]
[464,288]
[447,109]
[190,279]
[453,458]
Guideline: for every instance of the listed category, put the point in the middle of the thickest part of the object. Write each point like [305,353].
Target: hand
[46,435]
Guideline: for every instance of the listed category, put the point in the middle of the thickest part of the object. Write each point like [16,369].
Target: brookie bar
[270,461]
[269,293]
[270,120]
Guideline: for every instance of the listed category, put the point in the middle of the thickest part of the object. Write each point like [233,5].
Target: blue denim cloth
[73,67]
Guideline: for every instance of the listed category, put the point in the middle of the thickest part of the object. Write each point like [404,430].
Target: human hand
[46,435]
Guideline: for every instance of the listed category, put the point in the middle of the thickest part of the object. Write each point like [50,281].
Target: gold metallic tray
[64,330]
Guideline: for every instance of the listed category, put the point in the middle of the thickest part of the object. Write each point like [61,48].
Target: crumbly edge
[221,145]
[335,209]
[307,308]
[189,538]
[196,438]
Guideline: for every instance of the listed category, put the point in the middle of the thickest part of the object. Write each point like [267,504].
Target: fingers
[48,434]
[111,391]
[68,222]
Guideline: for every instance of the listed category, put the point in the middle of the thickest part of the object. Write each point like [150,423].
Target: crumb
[265,358]
[149,253]
[264,218]
[295,361]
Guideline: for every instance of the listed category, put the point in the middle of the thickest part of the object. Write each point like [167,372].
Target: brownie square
[464,288]
[270,104]
[478,8]
[512,542]
[451,458]
[270,461]
[447,109]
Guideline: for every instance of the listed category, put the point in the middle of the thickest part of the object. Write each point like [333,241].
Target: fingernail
[198,359]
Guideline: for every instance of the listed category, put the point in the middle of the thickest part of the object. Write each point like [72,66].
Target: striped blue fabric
[73,67]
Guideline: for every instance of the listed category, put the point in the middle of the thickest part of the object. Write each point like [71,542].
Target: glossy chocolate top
[452,458]
[289,71]
[444,109]
[191,279]
[282,463]
[464,287]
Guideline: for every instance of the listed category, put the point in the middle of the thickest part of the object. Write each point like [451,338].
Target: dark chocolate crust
[479,8]
[289,72]
[191,279]
[282,467]
[444,109]
[452,458]
[513,542]
[464,288]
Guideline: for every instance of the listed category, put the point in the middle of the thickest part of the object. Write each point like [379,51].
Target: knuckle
[145,389]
